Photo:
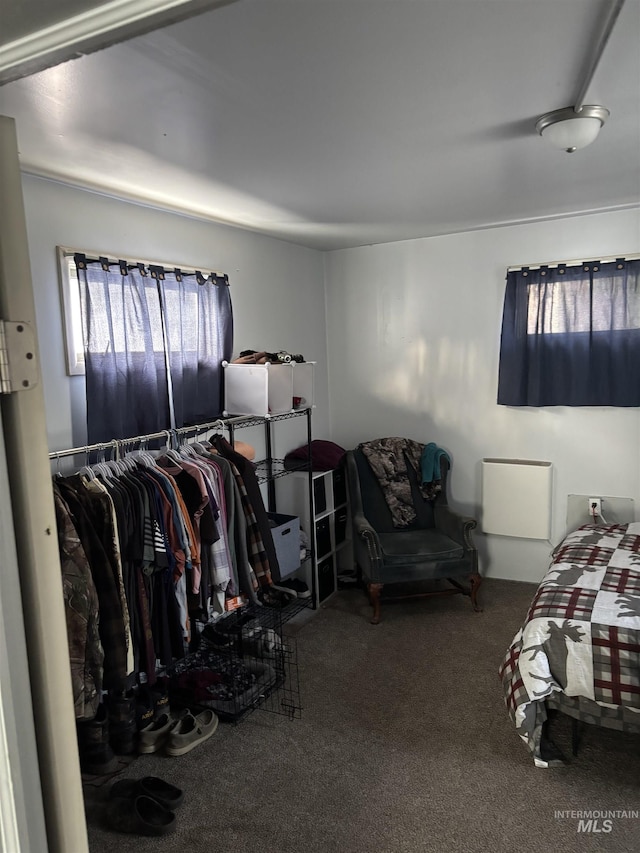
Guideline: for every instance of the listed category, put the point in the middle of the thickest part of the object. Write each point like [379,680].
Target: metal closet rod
[121,444]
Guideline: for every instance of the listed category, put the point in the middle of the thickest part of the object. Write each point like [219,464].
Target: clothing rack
[256,666]
[118,446]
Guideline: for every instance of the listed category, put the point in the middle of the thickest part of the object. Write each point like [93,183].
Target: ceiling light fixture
[576,127]
[570,129]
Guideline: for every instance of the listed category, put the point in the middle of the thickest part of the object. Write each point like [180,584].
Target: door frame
[28,480]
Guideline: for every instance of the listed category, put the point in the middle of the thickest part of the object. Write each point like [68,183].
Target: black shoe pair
[143,806]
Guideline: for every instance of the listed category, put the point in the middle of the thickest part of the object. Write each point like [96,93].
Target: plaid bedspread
[581,639]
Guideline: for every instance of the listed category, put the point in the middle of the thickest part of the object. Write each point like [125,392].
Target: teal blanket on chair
[430,467]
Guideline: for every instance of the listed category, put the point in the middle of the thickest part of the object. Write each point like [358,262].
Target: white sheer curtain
[154,341]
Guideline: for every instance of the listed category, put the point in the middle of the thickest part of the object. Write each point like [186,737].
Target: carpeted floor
[404,746]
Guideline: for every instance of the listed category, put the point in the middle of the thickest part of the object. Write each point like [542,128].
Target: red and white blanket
[579,648]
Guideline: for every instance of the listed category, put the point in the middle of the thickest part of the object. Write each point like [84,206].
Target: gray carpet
[404,746]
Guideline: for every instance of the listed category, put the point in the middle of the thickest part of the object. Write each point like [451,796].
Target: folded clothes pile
[252,356]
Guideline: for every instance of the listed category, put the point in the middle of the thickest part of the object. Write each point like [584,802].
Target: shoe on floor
[140,815]
[145,709]
[160,694]
[123,730]
[282,591]
[150,786]
[299,587]
[190,732]
[96,756]
[154,735]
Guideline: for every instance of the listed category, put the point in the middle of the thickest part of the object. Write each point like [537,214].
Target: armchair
[436,545]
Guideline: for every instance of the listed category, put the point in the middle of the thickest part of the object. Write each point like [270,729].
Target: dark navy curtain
[571,336]
[154,342]
[199,331]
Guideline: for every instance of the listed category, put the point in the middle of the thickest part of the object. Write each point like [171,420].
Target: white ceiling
[337,123]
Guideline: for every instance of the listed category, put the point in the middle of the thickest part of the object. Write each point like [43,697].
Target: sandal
[150,786]
[142,816]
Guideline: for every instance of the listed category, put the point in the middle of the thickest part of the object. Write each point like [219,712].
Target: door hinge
[18,367]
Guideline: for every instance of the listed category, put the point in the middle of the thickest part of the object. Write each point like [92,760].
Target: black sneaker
[145,707]
[278,596]
[160,694]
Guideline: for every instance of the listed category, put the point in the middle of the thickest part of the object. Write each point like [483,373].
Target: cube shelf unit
[324,518]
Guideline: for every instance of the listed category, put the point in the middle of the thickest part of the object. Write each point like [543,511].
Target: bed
[578,650]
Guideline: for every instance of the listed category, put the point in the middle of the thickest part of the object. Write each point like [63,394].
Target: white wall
[413,332]
[276,287]
[413,341]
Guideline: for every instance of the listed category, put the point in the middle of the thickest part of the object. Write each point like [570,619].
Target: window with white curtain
[150,340]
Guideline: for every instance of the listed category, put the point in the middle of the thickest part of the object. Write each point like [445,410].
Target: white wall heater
[516,498]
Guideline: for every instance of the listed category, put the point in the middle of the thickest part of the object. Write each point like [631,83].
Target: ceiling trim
[92,30]
[271,229]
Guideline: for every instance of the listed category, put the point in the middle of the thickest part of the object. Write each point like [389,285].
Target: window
[72,320]
[150,341]
[571,335]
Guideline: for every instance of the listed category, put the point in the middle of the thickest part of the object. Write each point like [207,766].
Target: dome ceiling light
[571,128]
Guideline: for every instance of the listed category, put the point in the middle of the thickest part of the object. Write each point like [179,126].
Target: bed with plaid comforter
[579,647]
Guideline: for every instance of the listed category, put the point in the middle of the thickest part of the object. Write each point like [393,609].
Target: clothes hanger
[102,470]
[86,470]
[173,455]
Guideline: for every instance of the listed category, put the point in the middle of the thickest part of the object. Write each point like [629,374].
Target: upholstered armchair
[435,545]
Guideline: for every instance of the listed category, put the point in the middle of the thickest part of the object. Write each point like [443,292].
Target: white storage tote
[303,384]
[257,389]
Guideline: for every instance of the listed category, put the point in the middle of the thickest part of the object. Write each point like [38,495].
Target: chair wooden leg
[476,580]
[374,596]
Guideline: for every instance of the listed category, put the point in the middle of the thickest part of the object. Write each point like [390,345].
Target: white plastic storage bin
[267,389]
[303,384]
[257,389]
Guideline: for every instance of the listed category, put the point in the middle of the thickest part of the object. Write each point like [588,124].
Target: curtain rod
[576,262]
[68,252]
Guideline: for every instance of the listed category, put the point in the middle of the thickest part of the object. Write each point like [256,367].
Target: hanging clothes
[156,545]
[81,613]
[262,552]
[111,622]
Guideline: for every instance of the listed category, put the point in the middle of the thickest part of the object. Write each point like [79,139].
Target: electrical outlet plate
[595,506]
[616,510]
